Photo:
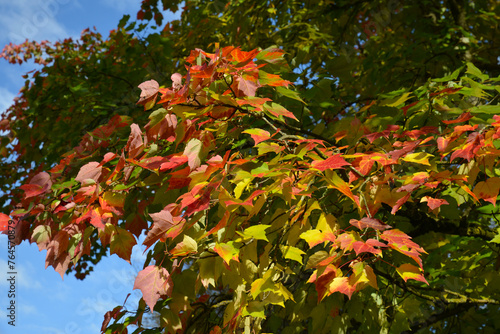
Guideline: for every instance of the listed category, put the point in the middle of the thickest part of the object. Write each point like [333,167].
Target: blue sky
[45,304]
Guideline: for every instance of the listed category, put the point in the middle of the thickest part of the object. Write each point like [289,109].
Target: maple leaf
[333,162]
[337,183]
[227,251]
[173,162]
[464,117]
[258,135]
[162,222]
[149,92]
[192,152]
[4,222]
[323,281]
[247,85]
[488,190]
[361,247]
[342,285]
[278,111]
[365,222]
[154,283]
[31,190]
[89,171]
[122,242]
[152,163]
[135,145]
[347,240]
[433,203]
[57,253]
[41,235]
[408,271]
[186,246]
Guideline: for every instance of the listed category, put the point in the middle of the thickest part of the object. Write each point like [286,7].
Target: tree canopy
[315,166]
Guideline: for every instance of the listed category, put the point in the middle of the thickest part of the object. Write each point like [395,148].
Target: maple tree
[279,189]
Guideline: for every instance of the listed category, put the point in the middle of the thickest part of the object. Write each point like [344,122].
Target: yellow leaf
[419,158]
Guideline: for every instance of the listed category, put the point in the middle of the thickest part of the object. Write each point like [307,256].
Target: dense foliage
[294,166]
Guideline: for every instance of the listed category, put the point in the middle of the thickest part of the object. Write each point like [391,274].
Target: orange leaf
[341,284]
[333,162]
[408,271]
[227,251]
[488,190]
[258,135]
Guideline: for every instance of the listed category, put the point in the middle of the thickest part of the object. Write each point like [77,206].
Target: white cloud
[31,19]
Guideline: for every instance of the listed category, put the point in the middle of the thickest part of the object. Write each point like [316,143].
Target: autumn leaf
[292,253]
[122,242]
[227,251]
[258,135]
[41,236]
[149,92]
[247,85]
[365,222]
[488,190]
[433,203]
[464,117]
[135,145]
[278,111]
[333,162]
[89,171]
[154,282]
[419,158]
[341,284]
[4,222]
[192,152]
[408,271]
[162,222]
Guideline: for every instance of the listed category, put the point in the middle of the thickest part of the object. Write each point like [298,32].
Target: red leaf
[341,284]
[247,85]
[154,282]
[31,190]
[152,163]
[107,158]
[462,118]
[322,282]
[258,135]
[149,90]
[433,203]
[57,253]
[400,203]
[333,162]
[92,171]
[243,56]
[134,144]
[347,240]
[95,218]
[365,222]
[162,222]
[4,222]
[173,162]
[398,237]
[361,247]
